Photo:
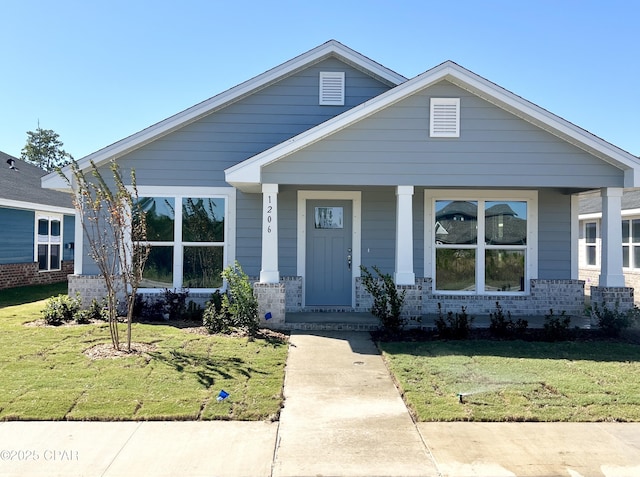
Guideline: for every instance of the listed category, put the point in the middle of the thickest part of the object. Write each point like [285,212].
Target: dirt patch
[107,351]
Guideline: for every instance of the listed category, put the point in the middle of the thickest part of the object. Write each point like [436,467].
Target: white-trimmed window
[591,243]
[190,235]
[444,117]
[48,243]
[631,243]
[332,88]
[482,242]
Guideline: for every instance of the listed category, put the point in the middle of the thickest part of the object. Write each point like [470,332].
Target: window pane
[203,220]
[160,215]
[43,230]
[504,270]
[625,231]
[636,230]
[505,223]
[456,222]
[43,255]
[455,269]
[591,255]
[636,257]
[625,256]
[158,271]
[202,267]
[590,232]
[55,257]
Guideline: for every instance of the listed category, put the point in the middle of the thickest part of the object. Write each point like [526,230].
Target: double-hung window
[480,244]
[631,243]
[48,250]
[590,239]
[189,237]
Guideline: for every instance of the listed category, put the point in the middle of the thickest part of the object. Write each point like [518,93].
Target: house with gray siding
[463,191]
[36,227]
[591,239]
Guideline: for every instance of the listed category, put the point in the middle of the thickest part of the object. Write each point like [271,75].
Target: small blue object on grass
[222,395]
[267,315]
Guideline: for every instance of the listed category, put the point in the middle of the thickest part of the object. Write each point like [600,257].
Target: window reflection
[456,222]
[505,223]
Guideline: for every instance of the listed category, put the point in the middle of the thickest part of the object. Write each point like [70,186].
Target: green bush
[504,326]
[613,322]
[216,317]
[237,308]
[175,303]
[61,309]
[455,326]
[557,328]
[387,302]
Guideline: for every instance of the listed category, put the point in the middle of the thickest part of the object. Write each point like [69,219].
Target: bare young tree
[115,229]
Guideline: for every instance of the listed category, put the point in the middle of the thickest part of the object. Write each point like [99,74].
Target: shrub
[613,322]
[237,308]
[148,309]
[387,302]
[504,326]
[216,317]
[175,303]
[454,326]
[556,328]
[61,309]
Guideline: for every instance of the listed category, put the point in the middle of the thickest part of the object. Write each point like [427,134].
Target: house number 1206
[269,214]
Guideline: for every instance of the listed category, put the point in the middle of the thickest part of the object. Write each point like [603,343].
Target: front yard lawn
[46,375]
[517,380]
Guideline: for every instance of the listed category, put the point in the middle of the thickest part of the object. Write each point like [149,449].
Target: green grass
[517,380]
[44,374]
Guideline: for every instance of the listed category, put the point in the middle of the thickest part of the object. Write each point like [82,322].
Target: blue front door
[328,256]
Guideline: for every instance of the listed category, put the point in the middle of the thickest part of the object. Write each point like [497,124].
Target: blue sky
[98,71]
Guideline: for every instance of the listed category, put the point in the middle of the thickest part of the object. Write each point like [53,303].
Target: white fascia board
[548,121]
[16,204]
[210,105]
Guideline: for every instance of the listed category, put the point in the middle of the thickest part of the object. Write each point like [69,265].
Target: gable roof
[20,188]
[246,175]
[331,48]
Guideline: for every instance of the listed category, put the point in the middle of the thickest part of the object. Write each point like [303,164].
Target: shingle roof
[592,203]
[23,184]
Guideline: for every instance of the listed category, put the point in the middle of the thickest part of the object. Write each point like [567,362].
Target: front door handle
[349,258]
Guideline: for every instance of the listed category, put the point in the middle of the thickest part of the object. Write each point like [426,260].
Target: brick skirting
[22,274]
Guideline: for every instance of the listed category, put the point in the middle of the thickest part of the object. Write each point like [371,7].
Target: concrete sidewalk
[342,417]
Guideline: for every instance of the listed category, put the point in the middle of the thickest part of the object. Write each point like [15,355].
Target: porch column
[404,236]
[269,272]
[611,270]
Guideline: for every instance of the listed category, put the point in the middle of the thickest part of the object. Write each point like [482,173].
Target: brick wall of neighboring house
[22,274]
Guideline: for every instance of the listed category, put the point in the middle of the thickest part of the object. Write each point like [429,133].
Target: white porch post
[611,270]
[404,236]
[269,272]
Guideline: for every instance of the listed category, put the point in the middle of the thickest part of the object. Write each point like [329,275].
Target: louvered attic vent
[332,88]
[445,117]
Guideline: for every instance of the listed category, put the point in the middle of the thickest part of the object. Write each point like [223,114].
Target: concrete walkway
[342,417]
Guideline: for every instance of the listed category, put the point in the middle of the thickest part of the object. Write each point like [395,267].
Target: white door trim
[356,220]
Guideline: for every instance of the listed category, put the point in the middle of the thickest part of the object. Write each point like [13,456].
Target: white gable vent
[445,117]
[332,88]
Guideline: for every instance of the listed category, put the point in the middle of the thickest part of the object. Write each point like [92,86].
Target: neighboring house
[590,245]
[36,227]
[331,161]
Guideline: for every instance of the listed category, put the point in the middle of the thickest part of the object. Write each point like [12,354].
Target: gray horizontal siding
[393,147]
[198,153]
[554,235]
[16,235]
[68,236]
